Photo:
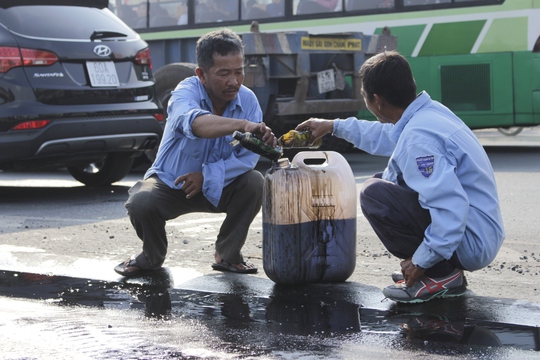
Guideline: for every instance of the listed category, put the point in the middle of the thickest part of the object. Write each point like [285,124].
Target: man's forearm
[212,126]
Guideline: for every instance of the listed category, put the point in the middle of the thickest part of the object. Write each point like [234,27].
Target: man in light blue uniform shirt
[435,205]
[196,169]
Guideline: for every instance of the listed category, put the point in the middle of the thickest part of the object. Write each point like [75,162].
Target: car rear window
[61,22]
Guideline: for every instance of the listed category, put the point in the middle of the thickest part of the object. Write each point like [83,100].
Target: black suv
[76,90]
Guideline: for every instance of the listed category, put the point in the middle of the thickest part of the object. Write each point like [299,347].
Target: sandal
[130,268]
[225,266]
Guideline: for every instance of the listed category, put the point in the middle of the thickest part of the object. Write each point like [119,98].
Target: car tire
[103,173]
[167,77]
[510,131]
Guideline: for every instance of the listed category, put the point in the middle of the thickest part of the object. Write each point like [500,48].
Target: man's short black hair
[389,75]
[222,42]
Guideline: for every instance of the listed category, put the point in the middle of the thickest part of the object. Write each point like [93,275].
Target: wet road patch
[245,316]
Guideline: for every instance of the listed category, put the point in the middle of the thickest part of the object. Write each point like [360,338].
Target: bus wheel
[167,77]
[510,131]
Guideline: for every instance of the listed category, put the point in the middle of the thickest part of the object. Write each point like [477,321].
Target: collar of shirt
[421,100]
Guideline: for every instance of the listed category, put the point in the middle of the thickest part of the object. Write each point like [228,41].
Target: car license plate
[326,81]
[102,74]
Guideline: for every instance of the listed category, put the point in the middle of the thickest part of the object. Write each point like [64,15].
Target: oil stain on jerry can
[309,219]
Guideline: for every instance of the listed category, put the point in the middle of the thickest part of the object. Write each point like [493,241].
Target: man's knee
[245,192]
[252,184]
[372,189]
[139,203]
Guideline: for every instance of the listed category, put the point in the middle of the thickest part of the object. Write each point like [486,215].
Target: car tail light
[38,57]
[159,117]
[32,125]
[11,57]
[143,58]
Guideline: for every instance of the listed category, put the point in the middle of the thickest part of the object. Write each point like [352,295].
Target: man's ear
[200,74]
[378,101]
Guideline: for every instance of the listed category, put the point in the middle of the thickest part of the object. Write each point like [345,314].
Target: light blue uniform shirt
[435,154]
[181,152]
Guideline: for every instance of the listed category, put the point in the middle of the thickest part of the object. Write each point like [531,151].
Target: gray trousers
[151,203]
[399,221]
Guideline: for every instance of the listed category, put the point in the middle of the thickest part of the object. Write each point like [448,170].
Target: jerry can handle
[311,159]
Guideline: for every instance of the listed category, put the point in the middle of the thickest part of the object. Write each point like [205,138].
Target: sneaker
[397,276]
[426,288]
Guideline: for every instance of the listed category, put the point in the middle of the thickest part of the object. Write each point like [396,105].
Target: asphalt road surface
[59,297]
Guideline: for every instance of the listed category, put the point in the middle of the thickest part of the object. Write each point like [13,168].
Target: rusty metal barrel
[309,219]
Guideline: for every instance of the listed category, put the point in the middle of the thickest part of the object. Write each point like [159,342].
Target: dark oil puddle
[290,318]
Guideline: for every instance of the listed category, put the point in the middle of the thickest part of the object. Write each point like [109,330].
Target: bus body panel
[478,57]
[527,79]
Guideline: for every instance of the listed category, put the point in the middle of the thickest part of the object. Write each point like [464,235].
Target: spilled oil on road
[230,316]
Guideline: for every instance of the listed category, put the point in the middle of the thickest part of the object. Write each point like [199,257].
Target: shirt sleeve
[184,106]
[369,136]
[433,176]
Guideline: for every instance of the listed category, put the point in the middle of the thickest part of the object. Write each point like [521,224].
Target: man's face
[369,103]
[223,80]
[374,107]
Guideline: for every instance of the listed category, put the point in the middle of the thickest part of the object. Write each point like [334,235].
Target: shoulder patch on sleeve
[425,165]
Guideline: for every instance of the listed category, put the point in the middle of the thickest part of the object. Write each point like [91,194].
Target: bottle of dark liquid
[253,143]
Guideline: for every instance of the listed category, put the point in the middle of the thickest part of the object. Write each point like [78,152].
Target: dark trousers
[151,203]
[397,218]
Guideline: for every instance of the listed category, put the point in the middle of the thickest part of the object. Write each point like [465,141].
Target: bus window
[275,8]
[127,14]
[353,5]
[424,2]
[207,11]
[161,14]
[260,9]
[182,12]
[305,7]
[141,10]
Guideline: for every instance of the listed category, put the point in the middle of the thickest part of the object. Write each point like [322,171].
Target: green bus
[481,58]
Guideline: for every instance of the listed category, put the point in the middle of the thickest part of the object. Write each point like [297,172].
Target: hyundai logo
[102,50]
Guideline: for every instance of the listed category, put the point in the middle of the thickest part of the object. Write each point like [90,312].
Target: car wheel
[103,173]
[510,131]
[167,77]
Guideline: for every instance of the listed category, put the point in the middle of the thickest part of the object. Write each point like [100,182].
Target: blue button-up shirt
[181,152]
[435,154]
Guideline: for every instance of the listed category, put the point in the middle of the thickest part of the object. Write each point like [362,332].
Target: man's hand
[318,127]
[410,272]
[263,132]
[193,183]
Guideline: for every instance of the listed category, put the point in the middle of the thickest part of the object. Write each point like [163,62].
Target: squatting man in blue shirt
[435,205]
[196,169]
